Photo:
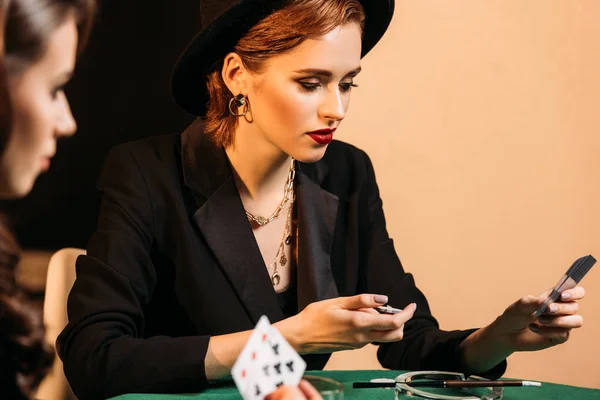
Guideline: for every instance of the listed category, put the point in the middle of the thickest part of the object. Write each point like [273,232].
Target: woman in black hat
[254,211]
[38,44]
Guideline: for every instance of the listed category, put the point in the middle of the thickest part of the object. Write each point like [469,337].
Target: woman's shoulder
[345,158]
[340,148]
[148,158]
[345,169]
[150,149]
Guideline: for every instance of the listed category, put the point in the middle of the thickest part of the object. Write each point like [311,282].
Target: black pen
[448,384]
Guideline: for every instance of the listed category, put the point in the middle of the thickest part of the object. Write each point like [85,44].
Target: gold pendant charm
[275,278]
[262,221]
[283,260]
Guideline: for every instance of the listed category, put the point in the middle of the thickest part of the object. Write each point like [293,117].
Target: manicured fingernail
[543,320]
[565,296]
[414,307]
[534,328]
[553,308]
[380,298]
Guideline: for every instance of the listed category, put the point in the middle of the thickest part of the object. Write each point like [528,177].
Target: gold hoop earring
[239,101]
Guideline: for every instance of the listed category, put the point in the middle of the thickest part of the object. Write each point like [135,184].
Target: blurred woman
[40,41]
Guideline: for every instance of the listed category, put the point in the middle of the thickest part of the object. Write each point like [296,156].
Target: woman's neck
[260,168]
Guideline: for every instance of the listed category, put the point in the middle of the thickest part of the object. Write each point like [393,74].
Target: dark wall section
[120,93]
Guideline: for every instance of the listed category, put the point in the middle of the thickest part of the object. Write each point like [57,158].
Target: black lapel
[317,212]
[208,174]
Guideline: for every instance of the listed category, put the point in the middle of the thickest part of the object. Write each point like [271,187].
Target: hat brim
[212,44]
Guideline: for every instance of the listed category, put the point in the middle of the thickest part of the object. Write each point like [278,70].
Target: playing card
[246,365]
[259,384]
[266,362]
[286,366]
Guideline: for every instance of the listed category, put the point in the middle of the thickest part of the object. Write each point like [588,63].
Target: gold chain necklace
[295,255]
[280,257]
[287,194]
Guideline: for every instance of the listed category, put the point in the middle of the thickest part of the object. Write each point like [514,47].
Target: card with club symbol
[266,362]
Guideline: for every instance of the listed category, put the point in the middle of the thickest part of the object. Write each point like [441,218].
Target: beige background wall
[482,120]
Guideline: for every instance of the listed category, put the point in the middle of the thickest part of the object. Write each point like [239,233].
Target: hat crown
[210,10]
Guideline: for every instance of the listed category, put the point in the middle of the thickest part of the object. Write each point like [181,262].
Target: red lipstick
[323,136]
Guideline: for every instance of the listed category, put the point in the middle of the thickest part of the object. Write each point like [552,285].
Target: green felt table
[226,390]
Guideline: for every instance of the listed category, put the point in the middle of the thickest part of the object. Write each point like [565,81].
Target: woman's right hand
[343,323]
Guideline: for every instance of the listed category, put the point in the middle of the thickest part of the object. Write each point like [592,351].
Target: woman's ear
[234,74]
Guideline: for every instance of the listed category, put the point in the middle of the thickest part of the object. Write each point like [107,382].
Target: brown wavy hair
[278,33]
[25,25]
[25,357]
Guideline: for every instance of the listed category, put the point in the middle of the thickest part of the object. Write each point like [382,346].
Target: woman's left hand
[526,333]
[518,330]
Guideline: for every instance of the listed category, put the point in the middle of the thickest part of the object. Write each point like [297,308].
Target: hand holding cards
[568,281]
[266,362]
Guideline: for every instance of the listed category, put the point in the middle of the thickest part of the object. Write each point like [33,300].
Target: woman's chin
[19,187]
[310,156]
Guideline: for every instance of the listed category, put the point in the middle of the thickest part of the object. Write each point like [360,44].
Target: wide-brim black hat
[225,22]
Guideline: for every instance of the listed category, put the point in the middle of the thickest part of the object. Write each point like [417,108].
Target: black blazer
[174,261]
